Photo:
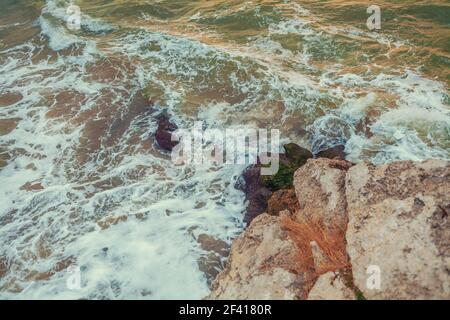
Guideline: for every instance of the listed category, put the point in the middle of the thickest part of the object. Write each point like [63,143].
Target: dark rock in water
[258,189]
[256,194]
[164,132]
[294,157]
[281,200]
[336,152]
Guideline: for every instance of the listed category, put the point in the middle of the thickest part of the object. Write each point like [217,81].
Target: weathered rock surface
[281,200]
[329,286]
[320,189]
[399,221]
[262,265]
[352,221]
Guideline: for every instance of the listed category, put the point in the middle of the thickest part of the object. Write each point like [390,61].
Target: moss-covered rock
[294,157]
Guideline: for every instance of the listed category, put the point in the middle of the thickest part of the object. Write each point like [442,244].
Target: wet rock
[4,158]
[263,264]
[164,132]
[32,186]
[9,98]
[282,200]
[212,262]
[336,152]
[3,266]
[107,222]
[256,194]
[209,243]
[210,265]
[399,223]
[7,125]
[138,107]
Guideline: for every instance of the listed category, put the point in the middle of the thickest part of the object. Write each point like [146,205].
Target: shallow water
[82,183]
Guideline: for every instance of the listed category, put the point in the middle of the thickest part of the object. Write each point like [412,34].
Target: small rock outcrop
[293,158]
[330,286]
[256,194]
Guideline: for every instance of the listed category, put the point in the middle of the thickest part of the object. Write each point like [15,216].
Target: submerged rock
[212,262]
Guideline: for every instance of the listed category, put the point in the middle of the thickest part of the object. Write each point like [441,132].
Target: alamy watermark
[374,21]
[73,21]
[373,281]
[230,146]
[73,281]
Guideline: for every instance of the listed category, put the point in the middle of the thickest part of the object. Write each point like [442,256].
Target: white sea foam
[148,257]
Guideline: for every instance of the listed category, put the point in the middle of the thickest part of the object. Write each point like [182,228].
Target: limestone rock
[293,158]
[384,225]
[399,223]
[320,189]
[330,287]
[262,265]
[319,257]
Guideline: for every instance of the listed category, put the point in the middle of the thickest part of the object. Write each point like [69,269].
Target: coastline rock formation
[263,264]
[358,232]
[399,222]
